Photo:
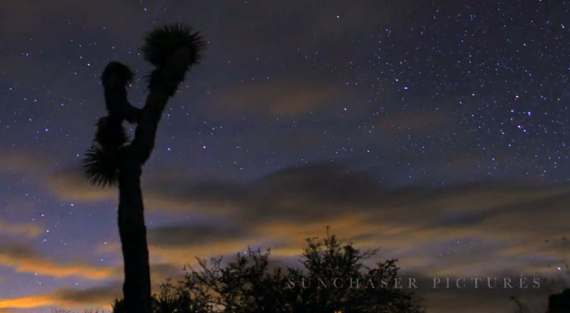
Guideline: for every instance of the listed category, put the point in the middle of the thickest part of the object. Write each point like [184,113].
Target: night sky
[434,130]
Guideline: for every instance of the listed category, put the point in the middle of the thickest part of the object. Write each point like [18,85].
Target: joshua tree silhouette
[173,50]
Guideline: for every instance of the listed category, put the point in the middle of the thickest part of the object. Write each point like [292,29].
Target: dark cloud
[300,194]
[89,296]
[188,235]
[284,98]
[309,193]
[418,121]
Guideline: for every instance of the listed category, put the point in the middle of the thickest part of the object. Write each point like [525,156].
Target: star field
[415,96]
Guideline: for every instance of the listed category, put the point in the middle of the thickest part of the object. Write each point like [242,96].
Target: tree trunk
[173,50]
[132,230]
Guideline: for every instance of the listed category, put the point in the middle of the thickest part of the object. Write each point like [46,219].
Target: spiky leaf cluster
[100,166]
[162,45]
[162,42]
[100,162]
[117,73]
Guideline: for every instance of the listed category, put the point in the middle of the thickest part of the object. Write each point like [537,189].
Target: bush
[249,285]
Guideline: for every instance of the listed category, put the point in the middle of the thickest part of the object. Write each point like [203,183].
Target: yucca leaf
[115,79]
[100,167]
[117,73]
[161,43]
[100,162]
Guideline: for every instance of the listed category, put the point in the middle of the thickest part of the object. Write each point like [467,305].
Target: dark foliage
[248,284]
[116,74]
[100,162]
[115,79]
[161,46]
[161,43]
[118,70]
[100,167]
[111,134]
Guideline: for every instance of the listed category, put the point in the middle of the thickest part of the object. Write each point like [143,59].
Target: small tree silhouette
[559,302]
[247,284]
[559,294]
[172,49]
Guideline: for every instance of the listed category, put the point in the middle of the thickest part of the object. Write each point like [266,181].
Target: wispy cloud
[473,229]
[282,98]
[65,297]
[27,230]
[23,258]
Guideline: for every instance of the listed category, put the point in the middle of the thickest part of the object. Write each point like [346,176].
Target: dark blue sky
[435,129]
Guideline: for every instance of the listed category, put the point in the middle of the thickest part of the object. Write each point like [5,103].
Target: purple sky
[435,130]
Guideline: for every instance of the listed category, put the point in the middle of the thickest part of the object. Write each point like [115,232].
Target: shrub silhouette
[252,284]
